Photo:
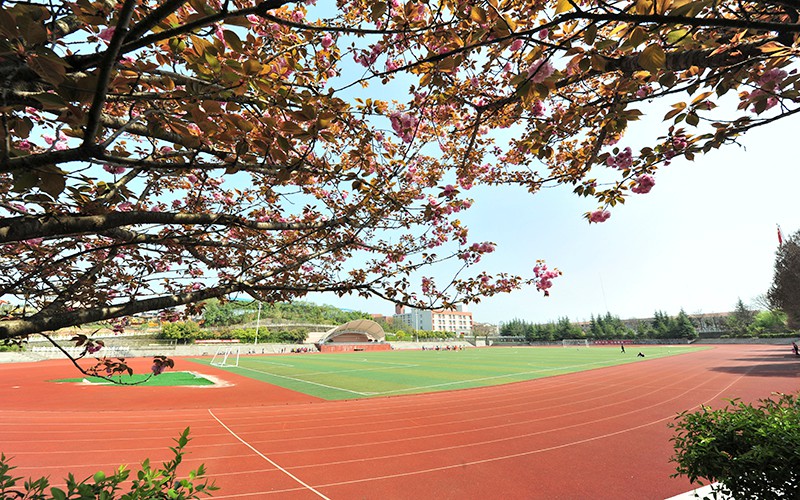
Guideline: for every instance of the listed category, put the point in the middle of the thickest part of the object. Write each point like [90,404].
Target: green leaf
[563,6]
[58,494]
[24,180]
[292,128]
[53,182]
[378,10]
[637,37]
[49,66]
[653,58]
[478,14]
[590,34]
[232,39]
[675,36]
[8,25]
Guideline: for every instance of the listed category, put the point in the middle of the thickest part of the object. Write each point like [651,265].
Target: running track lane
[600,434]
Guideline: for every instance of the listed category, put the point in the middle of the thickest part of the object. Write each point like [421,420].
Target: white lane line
[525,453]
[308,487]
[302,381]
[495,377]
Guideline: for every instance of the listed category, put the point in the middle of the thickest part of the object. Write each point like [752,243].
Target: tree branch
[47,226]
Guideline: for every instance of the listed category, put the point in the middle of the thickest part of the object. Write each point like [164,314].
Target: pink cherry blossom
[644,183]
[327,41]
[516,45]
[771,78]
[540,70]
[538,108]
[622,161]
[599,216]
[107,34]
[220,34]
[113,169]
[404,125]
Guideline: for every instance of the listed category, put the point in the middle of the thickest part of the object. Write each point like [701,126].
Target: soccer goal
[575,343]
[226,356]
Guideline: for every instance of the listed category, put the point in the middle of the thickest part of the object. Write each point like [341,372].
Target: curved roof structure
[360,330]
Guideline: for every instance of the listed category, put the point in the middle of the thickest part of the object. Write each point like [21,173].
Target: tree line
[742,322]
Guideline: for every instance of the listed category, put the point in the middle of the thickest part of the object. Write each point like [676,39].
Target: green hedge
[753,451]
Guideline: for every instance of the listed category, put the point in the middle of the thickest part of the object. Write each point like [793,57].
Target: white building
[456,320]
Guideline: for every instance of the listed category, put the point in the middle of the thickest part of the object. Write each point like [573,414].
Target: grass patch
[166,379]
[388,373]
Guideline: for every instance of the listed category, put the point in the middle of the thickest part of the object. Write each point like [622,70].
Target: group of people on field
[445,348]
[622,347]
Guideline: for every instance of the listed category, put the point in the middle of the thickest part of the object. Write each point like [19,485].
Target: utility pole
[258,321]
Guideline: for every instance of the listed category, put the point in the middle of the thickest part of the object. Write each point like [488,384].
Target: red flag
[780,236]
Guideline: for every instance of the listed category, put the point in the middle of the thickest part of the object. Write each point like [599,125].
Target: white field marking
[495,377]
[512,456]
[270,363]
[311,374]
[304,381]
[336,372]
[310,488]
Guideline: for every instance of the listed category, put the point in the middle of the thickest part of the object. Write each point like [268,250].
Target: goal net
[226,356]
[575,343]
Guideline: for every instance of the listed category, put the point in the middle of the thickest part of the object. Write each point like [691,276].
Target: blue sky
[702,238]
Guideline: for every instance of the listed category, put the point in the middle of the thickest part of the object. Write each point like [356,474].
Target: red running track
[600,434]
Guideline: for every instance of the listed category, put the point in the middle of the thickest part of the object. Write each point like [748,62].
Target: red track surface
[600,434]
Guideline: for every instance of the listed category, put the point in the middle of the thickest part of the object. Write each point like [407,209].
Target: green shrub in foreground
[753,451]
[148,484]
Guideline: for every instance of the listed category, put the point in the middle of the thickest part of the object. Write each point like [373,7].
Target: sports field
[166,379]
[599,434]
[391,373]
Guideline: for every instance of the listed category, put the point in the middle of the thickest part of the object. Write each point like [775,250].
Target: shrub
[753,451]
[149,483]
[182,332]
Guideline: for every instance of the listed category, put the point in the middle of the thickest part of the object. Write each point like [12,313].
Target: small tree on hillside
[565,329]
[217,313]
[684,328]
[741,319]
[662,325]
[784,294]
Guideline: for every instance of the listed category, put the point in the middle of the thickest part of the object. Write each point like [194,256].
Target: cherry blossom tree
[160,153]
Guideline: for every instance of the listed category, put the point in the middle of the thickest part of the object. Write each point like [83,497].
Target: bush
[753,451]
[182,332]
[149,483]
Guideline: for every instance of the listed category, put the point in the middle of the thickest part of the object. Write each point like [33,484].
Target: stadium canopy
[360,330]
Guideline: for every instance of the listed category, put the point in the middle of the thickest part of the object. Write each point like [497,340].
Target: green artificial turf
[387,373]
[166,379]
